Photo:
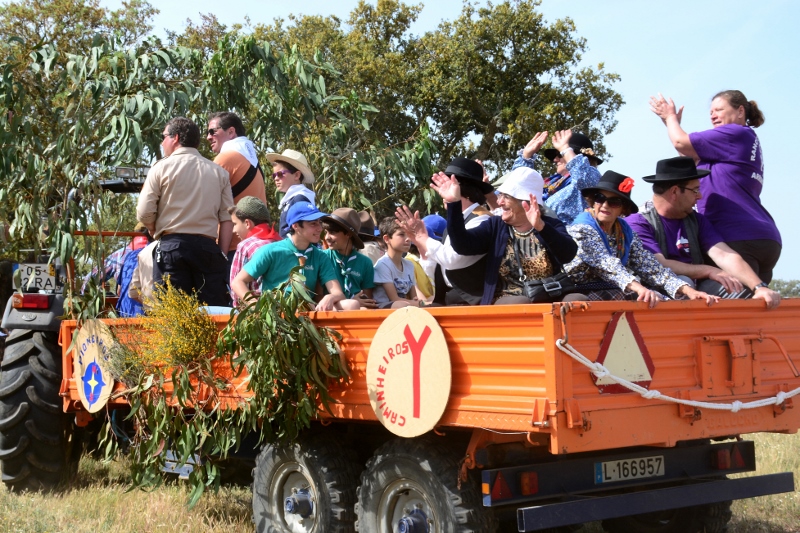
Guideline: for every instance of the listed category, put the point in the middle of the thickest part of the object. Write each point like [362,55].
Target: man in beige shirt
[184,203]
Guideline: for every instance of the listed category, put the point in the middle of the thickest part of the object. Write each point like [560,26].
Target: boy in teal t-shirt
[274,262]
[353,269]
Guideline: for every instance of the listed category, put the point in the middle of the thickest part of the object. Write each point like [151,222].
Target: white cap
[521,182]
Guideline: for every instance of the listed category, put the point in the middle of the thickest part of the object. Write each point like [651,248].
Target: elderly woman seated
[521,231]
[609,251]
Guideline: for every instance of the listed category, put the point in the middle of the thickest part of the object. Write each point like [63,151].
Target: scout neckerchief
[345,268]
[302,257]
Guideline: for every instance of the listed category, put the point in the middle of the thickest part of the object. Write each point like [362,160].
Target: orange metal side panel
[686,341]
[507,370]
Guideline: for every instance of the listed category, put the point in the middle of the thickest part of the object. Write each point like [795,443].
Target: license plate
[625,469]
[36,276]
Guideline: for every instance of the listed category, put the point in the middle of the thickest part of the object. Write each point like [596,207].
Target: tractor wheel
[411,485]
[306,487]
[36,436]
[712,518]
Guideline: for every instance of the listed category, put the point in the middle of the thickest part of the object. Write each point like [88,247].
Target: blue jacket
[127,306]
[491,237]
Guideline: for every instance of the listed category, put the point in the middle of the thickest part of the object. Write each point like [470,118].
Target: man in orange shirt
[236,154]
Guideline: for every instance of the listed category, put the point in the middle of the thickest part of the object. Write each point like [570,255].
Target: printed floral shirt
[594,263]
[567,201]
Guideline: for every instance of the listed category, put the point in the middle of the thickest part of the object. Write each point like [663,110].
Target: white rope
[602,372]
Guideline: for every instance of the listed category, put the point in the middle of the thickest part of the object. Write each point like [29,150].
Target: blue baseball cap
[303,211]
[435,225]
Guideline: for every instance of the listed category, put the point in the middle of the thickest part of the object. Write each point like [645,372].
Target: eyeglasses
[505,197]
[212,131]
[696,191]
[601,199]
[280,173]
[165,135]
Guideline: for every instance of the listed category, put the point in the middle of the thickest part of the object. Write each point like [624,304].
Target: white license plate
[36,276]
[625,469]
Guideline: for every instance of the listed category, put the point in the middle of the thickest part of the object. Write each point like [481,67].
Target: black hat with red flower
[617,183]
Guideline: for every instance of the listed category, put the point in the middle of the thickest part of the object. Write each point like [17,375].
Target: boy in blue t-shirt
[274,262]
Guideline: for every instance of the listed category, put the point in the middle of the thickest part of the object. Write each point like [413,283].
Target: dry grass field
[101,501]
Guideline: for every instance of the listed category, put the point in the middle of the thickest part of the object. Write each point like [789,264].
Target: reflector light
[485,489]
[528,483]
[728,459]
[737,461]
[30,301]
[500,489]
[721,460]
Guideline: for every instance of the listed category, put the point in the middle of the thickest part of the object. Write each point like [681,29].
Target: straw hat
[297,160]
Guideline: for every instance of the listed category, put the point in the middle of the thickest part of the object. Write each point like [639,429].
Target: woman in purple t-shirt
[731,195]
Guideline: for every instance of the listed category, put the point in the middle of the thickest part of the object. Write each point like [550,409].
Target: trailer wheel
[712,518]
[411,485]
[36,436]
[306,487]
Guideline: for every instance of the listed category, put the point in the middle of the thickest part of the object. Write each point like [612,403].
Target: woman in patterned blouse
[609,250]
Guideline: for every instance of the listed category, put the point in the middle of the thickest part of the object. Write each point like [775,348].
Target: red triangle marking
[500,489]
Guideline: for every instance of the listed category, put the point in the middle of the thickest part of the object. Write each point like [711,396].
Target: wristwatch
[762,284]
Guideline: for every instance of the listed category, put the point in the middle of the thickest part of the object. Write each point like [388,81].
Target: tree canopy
[484,83]
[374,107]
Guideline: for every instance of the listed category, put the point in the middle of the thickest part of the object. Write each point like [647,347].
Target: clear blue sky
[688,50]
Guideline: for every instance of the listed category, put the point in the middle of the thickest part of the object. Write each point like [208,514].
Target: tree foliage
[109,104]
[484,83]
[788,288]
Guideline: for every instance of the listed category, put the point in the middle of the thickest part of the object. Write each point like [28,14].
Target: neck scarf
[264,232]
[344,266]
[302,257]
[622,232]
[551,187]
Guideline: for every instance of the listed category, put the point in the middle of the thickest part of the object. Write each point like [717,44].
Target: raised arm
[671,117]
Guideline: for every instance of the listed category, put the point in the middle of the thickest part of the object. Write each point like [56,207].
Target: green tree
[484,83]
[787,288]
[113,103]
[55,30]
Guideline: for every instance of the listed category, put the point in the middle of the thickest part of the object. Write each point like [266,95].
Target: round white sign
[408,372]
[90,357]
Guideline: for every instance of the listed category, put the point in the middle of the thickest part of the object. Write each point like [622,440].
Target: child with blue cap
[273,263]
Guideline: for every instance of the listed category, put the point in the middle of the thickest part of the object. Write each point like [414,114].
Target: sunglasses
[165,135]
[212,131]
[280,173]
[600,198]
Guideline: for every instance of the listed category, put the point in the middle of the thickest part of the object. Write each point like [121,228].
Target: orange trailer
[466,418]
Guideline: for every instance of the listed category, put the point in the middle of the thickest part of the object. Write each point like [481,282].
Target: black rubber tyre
[36,451]
[418,479]
[712,518]
[322,466]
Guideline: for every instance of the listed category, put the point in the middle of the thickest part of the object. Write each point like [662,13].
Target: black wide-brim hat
[617,183]
[676,169]
[580,144]
[470,172]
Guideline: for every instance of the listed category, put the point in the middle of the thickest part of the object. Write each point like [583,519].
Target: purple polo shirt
[677,243]
[732,192]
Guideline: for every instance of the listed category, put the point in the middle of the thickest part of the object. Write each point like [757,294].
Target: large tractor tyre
[36,436]
[308,487]
[711,518]
[411,485]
